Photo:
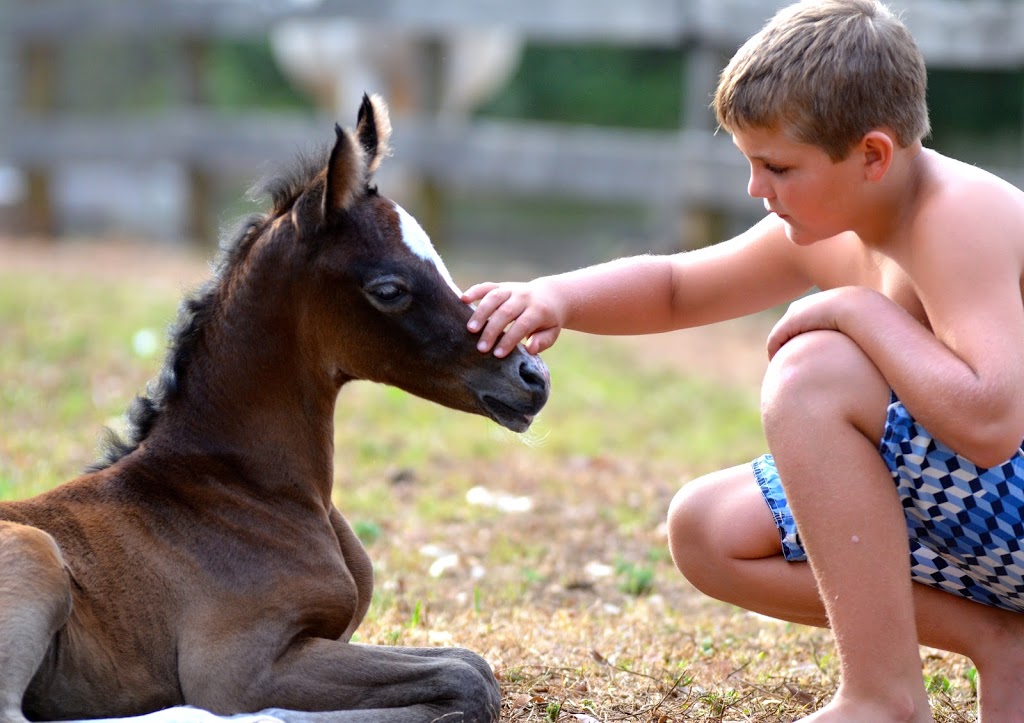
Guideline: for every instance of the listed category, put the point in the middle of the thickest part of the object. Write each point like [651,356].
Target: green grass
[67,368]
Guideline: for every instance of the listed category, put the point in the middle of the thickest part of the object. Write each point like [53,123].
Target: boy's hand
[825,310]
[510,312]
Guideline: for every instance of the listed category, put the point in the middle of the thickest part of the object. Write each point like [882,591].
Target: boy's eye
[777,170]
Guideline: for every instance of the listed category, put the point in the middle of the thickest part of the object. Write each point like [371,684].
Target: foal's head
[379,303]
[335,283]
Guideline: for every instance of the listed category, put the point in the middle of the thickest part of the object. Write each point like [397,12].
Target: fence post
[38,89]
[699,224]
[200,225]
[8,96]
[433,201]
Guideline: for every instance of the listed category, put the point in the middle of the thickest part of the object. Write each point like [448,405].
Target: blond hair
[828,72]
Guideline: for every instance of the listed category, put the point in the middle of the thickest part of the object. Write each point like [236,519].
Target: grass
[572,598]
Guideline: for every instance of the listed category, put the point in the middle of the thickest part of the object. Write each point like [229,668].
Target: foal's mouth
[517,419]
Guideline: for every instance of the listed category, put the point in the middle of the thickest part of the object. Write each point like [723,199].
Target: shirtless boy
[893,404]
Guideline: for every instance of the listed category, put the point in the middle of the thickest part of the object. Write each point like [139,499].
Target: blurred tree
[983,110]
[101,75]
[244,74]
[118,75]
[642,87]
[595,84]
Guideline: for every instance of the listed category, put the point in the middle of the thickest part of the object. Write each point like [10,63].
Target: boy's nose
[756,187]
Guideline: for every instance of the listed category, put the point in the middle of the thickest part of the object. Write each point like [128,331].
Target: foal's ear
[346,173]
[373,128]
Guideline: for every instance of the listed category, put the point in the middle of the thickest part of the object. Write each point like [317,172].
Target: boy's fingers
[775,342]
[478,291]
[494,323]
[495,334]
[488,305]
[507,343]
[541,340]
[521,326]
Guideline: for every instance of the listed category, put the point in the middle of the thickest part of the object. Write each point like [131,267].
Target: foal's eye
[387,292]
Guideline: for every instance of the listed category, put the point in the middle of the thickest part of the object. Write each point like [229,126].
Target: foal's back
[87,569]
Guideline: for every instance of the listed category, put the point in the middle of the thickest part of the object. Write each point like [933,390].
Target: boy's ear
[876,148]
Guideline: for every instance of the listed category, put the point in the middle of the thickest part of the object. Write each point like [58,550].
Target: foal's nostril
[532,376]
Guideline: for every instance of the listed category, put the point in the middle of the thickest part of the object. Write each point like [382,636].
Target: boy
[912,348]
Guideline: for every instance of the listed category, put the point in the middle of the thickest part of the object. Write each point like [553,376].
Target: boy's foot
[846,710]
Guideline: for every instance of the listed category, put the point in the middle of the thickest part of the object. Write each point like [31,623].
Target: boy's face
[813,195]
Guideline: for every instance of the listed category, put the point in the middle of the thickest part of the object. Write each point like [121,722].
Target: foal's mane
[198,307]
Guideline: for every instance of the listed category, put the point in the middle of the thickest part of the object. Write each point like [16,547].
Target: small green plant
[417,618]
[720,701]
[531,576]
[937,683]
[823,662]
[367,531]
[634,579]
[972,678]
[553,711]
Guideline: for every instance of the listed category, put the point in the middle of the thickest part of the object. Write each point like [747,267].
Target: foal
[202,562]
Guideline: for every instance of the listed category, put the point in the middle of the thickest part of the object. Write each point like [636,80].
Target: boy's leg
[724,540]
[823,406]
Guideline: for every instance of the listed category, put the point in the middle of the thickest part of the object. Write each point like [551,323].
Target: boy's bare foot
[844,709]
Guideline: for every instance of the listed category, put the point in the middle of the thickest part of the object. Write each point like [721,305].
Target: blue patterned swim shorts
[965,523]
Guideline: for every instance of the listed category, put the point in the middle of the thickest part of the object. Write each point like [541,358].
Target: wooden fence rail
[976,33]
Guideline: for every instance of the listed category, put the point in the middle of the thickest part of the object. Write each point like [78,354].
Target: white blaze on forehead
[419,243]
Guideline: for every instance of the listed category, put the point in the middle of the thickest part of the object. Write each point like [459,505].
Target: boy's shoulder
[954,195]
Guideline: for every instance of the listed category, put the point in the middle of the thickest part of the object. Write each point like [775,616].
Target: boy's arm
[644,294]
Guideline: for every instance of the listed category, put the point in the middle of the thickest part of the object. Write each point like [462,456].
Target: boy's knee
[818,373]
[687,536]
[718,524]
[809,360]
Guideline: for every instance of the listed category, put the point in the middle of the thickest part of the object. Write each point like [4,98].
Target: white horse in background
[337,59]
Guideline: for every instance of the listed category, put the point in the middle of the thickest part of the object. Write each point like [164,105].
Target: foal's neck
[252,394]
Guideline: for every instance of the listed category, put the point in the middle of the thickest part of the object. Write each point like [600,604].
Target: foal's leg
[356,684]
[35,601]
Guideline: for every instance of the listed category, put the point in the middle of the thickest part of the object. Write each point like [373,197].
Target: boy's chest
[881,274]
[895,284]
